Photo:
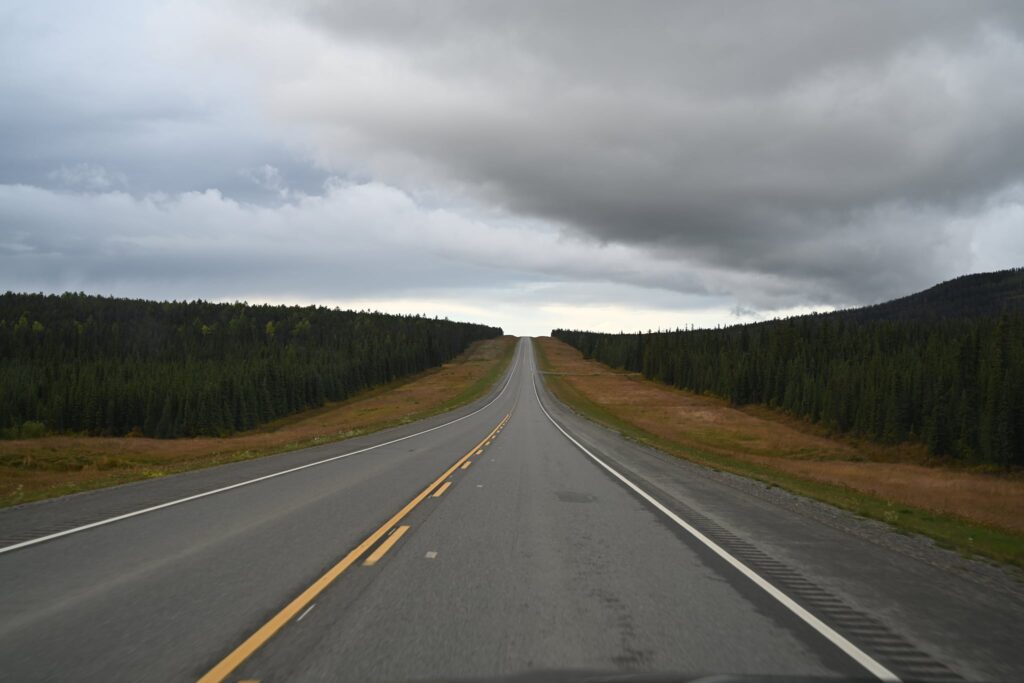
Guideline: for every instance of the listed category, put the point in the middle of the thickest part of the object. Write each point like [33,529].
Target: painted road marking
[854,652]
[384,547]
[258,639]
[480,452]
[466,464]
[303,615]
[444,487]
[154,508]
[431,554]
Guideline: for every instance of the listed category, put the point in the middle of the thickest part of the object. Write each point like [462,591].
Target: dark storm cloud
[802,140]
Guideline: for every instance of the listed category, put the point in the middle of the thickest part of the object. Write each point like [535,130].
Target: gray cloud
[88,177]
[804,140]
[579,156]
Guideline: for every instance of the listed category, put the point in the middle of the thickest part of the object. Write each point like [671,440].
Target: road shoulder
[957,611]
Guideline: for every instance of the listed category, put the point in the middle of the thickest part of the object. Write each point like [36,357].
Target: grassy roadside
[36,469]
[951,531]
[481,386]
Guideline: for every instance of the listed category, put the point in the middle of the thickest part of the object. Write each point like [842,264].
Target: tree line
[955,384]
[108,366]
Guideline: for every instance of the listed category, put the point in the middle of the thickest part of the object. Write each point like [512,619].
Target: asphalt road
[507,537]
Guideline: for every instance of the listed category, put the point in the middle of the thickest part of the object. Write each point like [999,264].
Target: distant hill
[968,296]
[944,367]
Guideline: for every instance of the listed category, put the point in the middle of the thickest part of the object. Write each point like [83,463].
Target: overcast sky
[587,164]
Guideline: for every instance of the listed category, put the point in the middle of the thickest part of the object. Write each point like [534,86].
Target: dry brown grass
[779,442]
[31,469]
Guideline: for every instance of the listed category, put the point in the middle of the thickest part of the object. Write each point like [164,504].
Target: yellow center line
[385,546]
[466,464]
[254,642]
[444,487]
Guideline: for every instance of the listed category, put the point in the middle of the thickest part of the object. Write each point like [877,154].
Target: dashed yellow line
[444,487]
[466,464]
[254,642]
[384,547]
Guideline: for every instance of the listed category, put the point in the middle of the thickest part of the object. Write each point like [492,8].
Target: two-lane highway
[536,559]
[511,536]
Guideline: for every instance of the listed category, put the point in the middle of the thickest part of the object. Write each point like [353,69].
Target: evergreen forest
[944,367]
[75,363]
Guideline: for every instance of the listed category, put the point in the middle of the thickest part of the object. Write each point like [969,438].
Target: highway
[508,536]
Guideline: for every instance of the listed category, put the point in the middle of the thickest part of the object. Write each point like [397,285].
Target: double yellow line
[254,642]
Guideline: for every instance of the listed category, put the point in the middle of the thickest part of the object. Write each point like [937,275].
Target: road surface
[509,536]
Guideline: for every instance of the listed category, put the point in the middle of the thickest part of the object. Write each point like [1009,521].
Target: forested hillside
[951,376]
[968,296]
[78,363]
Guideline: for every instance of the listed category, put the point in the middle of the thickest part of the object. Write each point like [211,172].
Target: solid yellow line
[440,492]
[385,546]
[254,642]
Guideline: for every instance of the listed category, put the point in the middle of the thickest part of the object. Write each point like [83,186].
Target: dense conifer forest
[106,366]
[944,367]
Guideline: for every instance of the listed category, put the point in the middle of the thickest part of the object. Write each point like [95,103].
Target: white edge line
[858,655]
[161,506]
[307,611]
